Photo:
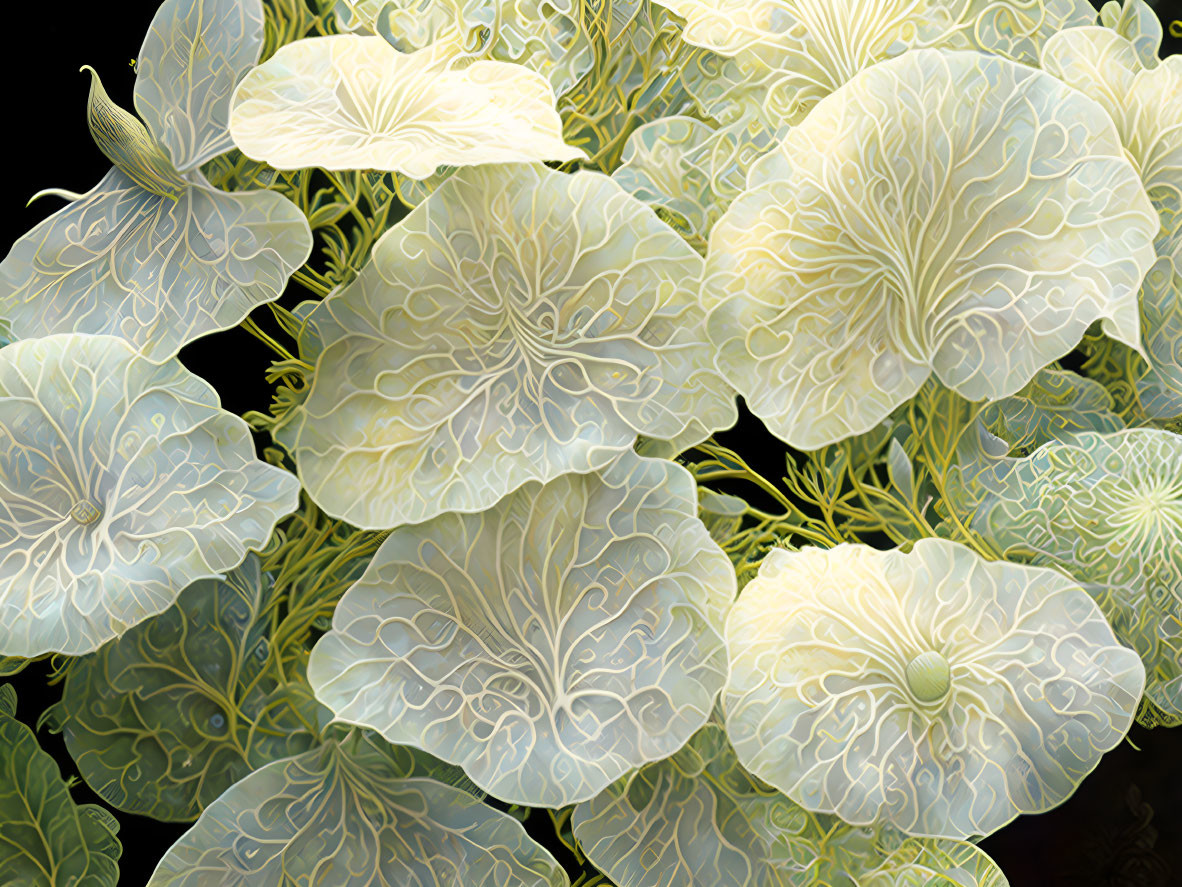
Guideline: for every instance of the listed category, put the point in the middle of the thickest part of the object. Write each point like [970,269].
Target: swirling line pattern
[1107,510]
[1123,75]
[698,819]
[193,56]
[538,34]
[121,481]
[1054,405]
[155,271]
[548,645]
[162,266]
[355,102]
[519,324]
[689,170]
[945,213]
[164,719]
[353,813]
[784,56]
[933,691]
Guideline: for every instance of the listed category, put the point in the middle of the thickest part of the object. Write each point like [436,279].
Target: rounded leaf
[519,324]
[790,54]
[165,718]
[945,212]
[1107,510]
[934,691]
[547,645]
[155,271]
[121,482]
[353,814]
[353,102]
[1142,101]
[698,819]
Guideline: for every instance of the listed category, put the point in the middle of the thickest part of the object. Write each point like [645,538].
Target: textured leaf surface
[698,819]
[945,212]
[46,840]
[164,719]
[353,102]
[193,56]
[690,170]
[548,645]
[121,481]
[1054,405]
[790,54]
[642,70]
[1107,510]
[519,324]
[154,271]
[1142,100]
[830,694]
[353,815]
[543,36]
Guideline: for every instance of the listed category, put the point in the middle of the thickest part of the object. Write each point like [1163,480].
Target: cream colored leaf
[933,691]
[353,102]
[945,213]
[548,645]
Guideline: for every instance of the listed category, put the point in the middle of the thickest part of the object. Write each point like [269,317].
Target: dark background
[1123,828]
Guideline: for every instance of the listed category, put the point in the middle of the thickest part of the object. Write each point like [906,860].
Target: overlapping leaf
[164,719]
[944,213]
[1107,510]
[698,819]
[548,645]
[784,56]
[538,34]
[689,170]
[354,814]
[354,102]
[161,265]
[46,840]
[1123,75]
[1055,404]
[933,691]
[121,481]
[520,324]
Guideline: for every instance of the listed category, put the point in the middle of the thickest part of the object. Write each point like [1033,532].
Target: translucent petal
[944,212]
[165,718]
[1107,510]
[689,170]
[1136,21]
[154,271]
[832,657]
[790,54]
[193,56]
[1056,404]
[541,35]
[353,815]
[519,324]
[352,102]
[698,819]
[121,482]
[1143,103]
[46,840]
[547,645]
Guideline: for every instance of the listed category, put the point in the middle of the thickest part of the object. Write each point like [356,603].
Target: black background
[1122,828]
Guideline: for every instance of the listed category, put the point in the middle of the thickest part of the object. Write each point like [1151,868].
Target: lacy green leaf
[164,719]
[46,840]
[354,814]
